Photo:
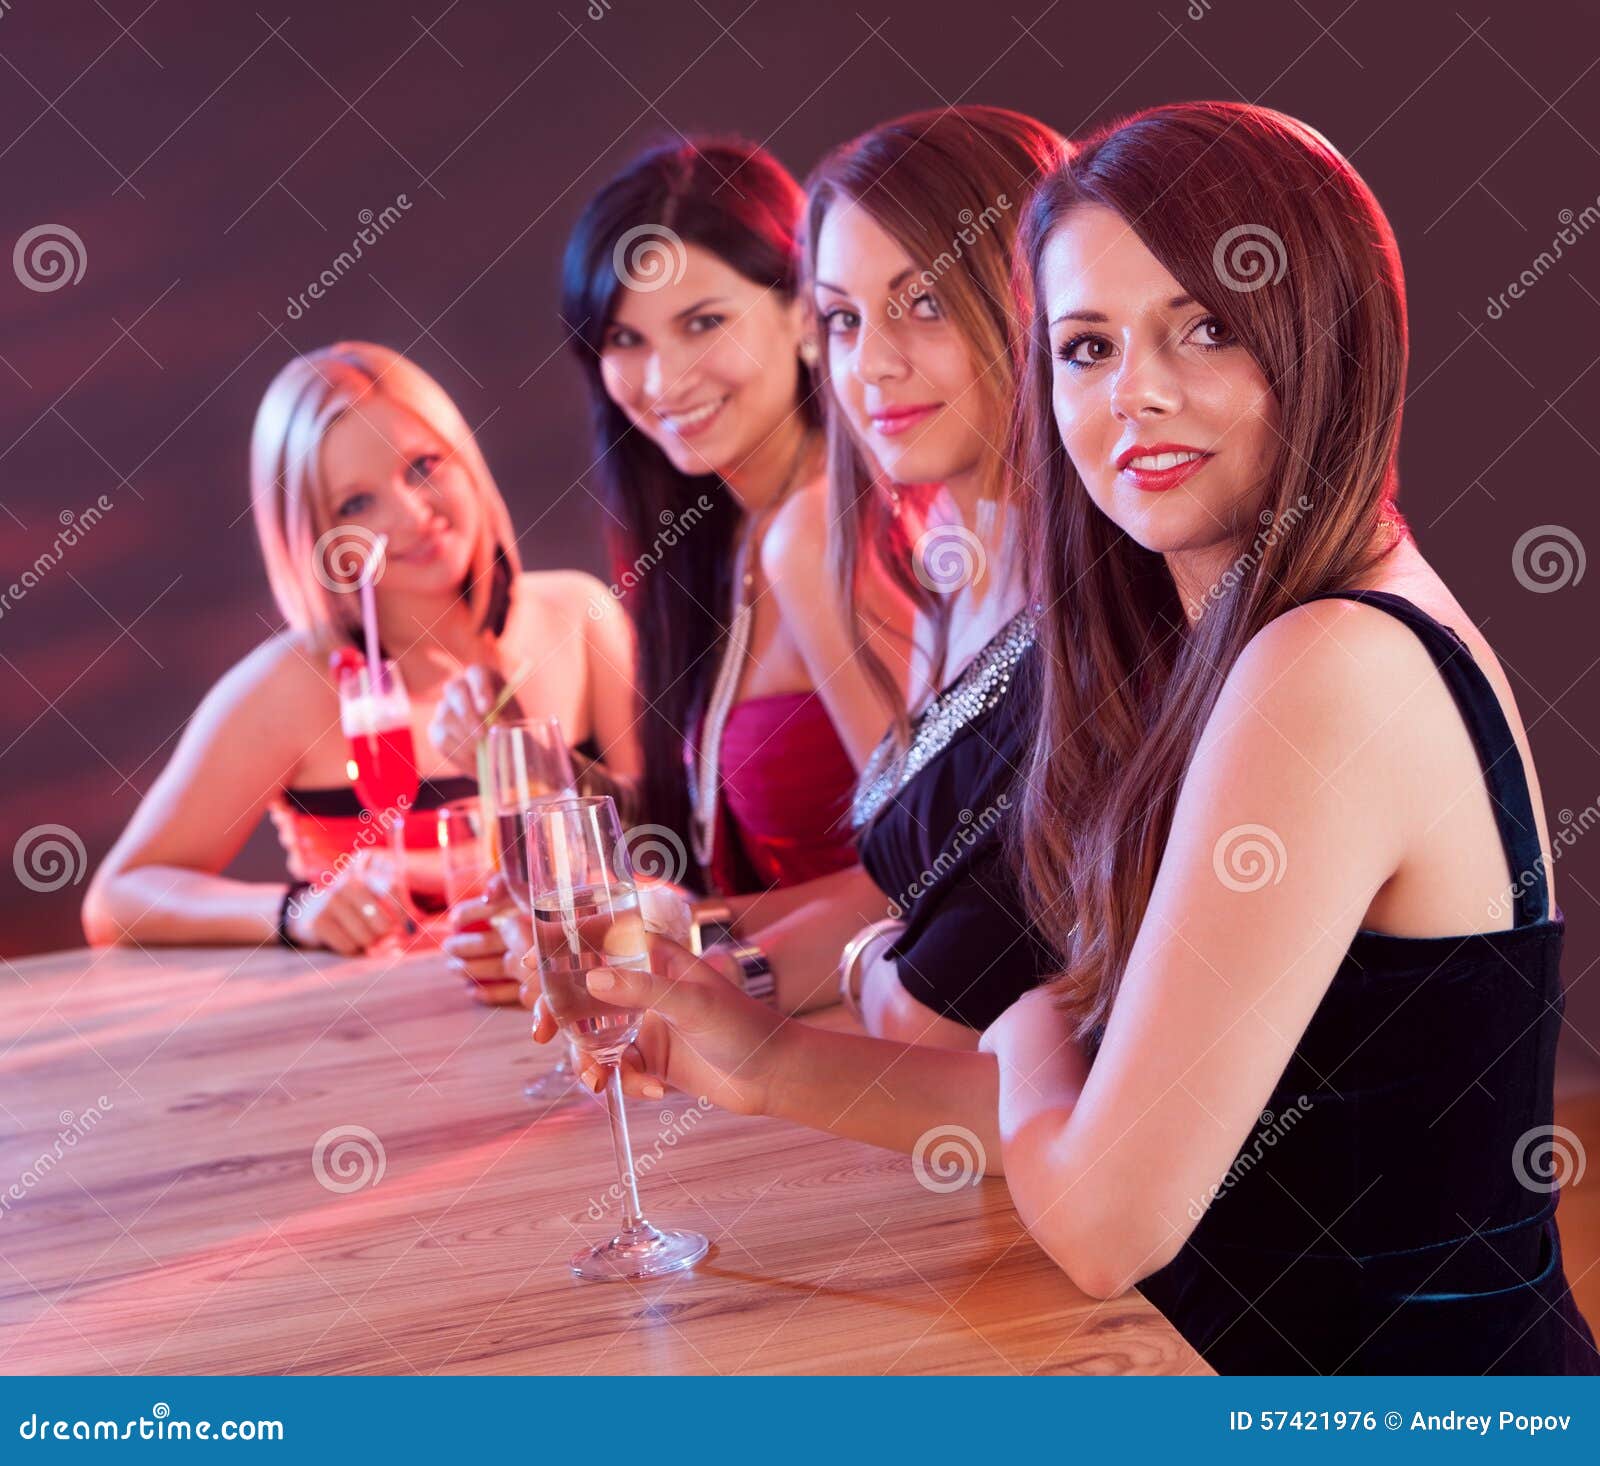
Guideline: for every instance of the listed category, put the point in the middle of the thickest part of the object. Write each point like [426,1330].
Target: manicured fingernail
[596,1080]
[652,1090]
[600,980]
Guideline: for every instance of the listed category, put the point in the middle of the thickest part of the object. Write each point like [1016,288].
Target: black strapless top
[1392,1214]
[936,841]
[340,801]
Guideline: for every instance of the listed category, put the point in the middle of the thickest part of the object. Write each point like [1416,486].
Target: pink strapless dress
[787,782]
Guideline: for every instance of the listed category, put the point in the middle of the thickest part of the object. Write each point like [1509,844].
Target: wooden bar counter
[233,1161]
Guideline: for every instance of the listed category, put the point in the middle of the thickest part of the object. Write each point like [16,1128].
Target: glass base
[557,1087]
[560,1084]
[646,1252]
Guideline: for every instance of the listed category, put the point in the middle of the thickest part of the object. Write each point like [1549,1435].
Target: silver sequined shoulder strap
[980,687]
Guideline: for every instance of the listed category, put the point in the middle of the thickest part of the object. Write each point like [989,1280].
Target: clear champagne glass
[529,761]
[586,914]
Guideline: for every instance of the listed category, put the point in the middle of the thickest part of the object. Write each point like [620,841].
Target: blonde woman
[352,442]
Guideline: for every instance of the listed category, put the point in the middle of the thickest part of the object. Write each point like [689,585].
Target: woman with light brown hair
[352,443]
[907,256]
[1293,1074]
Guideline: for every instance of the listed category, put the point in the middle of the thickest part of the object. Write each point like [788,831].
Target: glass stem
[631,1220]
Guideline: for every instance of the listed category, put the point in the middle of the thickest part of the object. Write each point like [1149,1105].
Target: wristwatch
[711,926]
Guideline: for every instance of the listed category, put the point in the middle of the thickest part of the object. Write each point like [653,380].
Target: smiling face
[1168,420]
[387,472]
[706,367]
[901,371]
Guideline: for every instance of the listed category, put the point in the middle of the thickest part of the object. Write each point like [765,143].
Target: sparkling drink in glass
[586,915]
[528,760]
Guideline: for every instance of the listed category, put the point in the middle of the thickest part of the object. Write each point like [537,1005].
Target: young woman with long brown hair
[1289,1074]
[907,243]
[681,293]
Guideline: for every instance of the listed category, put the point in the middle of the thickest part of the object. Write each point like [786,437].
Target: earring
[809,353]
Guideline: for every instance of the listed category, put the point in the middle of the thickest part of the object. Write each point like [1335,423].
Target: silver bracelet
[851,958]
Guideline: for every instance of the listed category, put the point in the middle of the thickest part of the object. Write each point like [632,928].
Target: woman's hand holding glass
[459,720]
[700,1033]
[488,937]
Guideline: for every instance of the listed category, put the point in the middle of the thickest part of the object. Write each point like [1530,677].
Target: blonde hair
[287,496]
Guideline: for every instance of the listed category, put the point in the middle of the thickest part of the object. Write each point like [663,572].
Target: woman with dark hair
[907,253]
[1282,827]
[679,289]
[751,715]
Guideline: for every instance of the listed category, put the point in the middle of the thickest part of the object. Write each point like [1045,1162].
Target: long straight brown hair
[1263,223]
[950,187]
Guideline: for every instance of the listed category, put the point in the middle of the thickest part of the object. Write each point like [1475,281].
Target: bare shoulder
[287,667]
[796,541]
[1331,672]
[269,698]
[561,598]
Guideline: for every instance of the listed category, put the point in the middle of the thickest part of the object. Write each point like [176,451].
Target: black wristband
[291,892]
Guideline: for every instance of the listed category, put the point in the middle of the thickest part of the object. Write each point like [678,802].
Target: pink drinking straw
[369,613]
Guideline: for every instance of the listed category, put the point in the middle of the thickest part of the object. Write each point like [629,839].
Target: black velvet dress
[1392,1215]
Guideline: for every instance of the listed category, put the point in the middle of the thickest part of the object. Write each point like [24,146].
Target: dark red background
[214,163]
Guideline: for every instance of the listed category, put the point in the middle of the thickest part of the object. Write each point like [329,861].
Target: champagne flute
[528,761]
[586,914]
[461,845]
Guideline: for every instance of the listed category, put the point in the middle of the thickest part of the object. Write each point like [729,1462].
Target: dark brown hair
[1219,193]
[736,200]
